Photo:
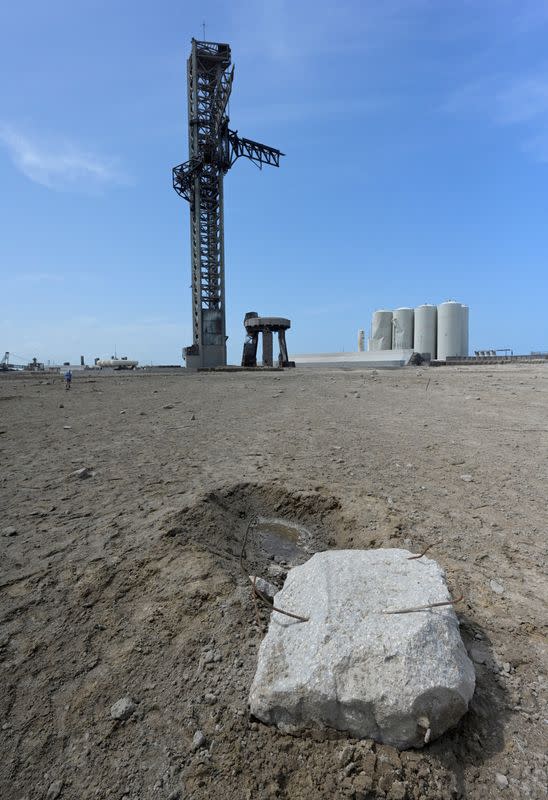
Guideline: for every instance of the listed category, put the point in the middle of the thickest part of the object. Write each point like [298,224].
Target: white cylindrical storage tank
[465,331]
[361,341]
[450,336]
[426,330]
[381,330]
[403,320]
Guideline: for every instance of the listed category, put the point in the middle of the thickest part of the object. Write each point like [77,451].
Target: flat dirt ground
[127,583]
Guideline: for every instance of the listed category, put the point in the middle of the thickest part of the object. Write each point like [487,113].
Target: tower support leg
[267,349]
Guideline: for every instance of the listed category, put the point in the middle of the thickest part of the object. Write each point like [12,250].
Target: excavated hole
[286,542]
[289,526]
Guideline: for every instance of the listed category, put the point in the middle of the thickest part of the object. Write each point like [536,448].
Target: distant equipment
[5,363]
[213,149]
[361,341]
[34,366]
[265,326]
[115,363]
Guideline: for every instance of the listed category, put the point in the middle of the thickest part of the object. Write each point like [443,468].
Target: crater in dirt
[285,527]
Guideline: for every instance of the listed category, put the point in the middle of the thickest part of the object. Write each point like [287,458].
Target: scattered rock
[192,418]
[266,588]
[82,473]
[397,791]
[67,427]
[210,698]
[363,784]
[468,478]
[123,411]
[123,708]
[350,769]
[9,531]
[346,755]
[496,587]
[61,405]
[175,795]
[396,678]
[501,780]
[275,571]
[211,656]
[478,655]
[169,405]
[198,741]
[54,790]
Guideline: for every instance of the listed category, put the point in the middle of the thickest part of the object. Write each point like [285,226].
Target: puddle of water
[281,539]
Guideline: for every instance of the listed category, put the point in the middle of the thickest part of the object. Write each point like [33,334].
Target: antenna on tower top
[203,26]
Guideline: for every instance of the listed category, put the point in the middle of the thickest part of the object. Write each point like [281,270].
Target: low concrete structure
[399,678]
[376,358]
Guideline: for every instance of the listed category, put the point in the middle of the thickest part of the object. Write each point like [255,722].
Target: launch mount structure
[213,149]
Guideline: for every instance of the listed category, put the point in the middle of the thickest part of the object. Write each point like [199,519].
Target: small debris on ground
[54,790]
[501,780]
[82,473]
[123,708]
[198,740]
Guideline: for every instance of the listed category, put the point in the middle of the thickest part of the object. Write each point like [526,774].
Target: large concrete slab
[377,359]
[399,678]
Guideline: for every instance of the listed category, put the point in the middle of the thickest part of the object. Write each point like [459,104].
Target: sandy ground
[127,582]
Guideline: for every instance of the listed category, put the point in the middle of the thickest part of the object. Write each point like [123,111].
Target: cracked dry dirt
[127,583]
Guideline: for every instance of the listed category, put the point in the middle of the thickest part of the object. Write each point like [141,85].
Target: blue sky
[416,134]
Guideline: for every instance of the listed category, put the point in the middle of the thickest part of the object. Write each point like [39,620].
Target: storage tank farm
[436,332]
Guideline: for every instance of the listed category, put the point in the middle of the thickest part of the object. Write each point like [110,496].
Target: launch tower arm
[184,176]
[258,153]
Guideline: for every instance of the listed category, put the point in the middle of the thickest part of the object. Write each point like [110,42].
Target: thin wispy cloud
[524,99]
[517,101]
[286,36]
[39,277]
[59,165]
[308,110]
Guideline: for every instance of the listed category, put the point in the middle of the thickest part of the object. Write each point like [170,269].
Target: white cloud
[61,165]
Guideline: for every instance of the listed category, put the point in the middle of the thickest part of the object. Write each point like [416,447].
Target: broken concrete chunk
[123,708]
[83,473]
[402,679]
[198,740]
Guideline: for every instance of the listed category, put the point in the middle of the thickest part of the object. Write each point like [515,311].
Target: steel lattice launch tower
[213,149]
